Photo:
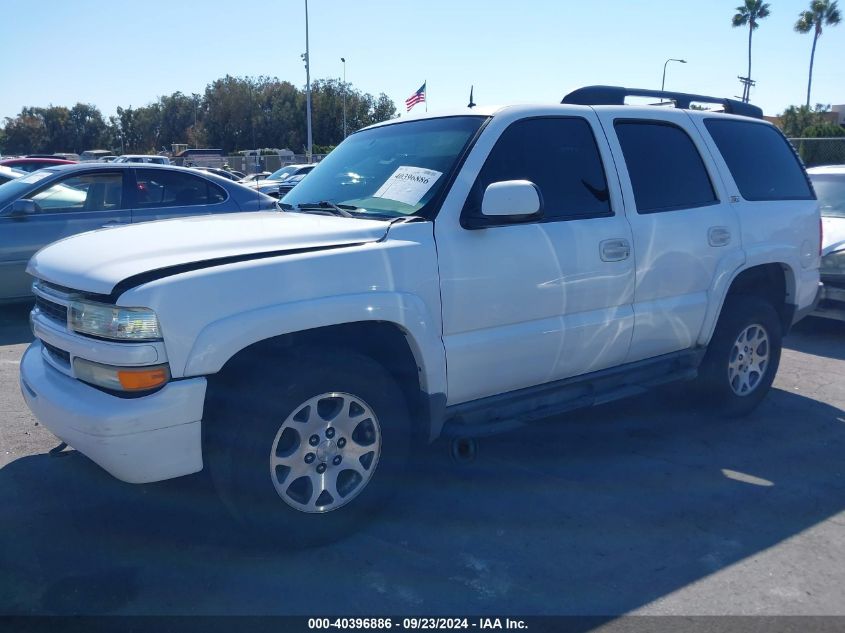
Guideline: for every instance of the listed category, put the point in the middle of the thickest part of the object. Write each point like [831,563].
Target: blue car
[53,203]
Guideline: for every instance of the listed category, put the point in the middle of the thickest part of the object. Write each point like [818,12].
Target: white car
[829,183]
[10,173]
[451,275]
[142,158]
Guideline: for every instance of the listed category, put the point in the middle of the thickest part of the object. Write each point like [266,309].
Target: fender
[731,267]
[220,340]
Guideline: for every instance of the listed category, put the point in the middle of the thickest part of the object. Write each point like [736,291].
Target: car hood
[833,231]
[97,261]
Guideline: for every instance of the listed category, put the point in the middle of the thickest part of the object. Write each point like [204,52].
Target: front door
[76,203]
[526,303]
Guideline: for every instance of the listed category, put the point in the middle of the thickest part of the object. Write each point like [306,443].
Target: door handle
[614,250]
[719,236]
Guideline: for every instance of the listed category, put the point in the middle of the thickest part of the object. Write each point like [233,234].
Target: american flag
[414,99]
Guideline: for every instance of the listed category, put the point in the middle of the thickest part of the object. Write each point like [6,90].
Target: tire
[284,415]
[743,357]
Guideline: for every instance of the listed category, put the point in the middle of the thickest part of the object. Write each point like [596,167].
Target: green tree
[86,127]
[750,13]
[280,115]
[229,111]
[59,136]
[178,113]
[26,133]
[796,119]
[822,13]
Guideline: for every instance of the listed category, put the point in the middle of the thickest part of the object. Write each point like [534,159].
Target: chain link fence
[247,164]
[270,162]
[820,151]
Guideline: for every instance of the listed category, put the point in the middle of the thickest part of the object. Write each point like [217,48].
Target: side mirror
[515,199]
[23,207]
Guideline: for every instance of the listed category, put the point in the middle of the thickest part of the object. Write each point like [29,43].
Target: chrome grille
[55,311]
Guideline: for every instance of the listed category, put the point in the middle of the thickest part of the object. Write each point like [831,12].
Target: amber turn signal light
[141,379]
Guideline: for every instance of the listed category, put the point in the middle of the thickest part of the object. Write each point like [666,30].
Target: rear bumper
[831,302]
[137,440]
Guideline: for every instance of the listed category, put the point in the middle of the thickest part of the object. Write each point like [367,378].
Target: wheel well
[769,282]
[384,342]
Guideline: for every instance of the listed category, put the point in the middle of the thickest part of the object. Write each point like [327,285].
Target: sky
[119,53]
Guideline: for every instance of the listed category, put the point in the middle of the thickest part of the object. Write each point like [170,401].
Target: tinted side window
[666,170]
[560,156]
[763,164]
[161,188]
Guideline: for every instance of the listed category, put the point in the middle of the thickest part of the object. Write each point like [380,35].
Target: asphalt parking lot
[642,506]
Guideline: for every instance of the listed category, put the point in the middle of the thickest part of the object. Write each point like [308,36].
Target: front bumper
[831,302]
[137,440]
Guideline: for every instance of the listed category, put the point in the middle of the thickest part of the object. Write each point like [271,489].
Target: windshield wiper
[330,207]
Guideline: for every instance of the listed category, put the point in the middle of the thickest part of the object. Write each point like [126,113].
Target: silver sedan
[50,204]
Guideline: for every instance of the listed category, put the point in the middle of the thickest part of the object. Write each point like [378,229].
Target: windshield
[830,190]
[14,189]
[389,170]
[281,174]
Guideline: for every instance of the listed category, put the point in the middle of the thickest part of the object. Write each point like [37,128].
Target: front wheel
[742,358]
[305,452]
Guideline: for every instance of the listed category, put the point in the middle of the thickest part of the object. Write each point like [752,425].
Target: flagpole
[425,83]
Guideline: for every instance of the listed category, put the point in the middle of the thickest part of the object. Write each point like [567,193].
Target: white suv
[449,275]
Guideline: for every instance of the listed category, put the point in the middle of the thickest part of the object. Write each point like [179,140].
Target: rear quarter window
[761,160]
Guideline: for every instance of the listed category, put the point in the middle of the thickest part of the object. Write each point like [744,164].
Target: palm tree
[750,13]
[821,13]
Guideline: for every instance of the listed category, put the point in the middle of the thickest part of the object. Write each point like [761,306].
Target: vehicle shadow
[14,323]
[600,512]
[817,336]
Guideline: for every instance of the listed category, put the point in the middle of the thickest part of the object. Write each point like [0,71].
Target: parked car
[34,164]
[287,185]
[142,158]
[246,180]
[107,159]
[95,154]
[270,185]
[9,173]
[438,275]
[829,183]
[54,203]
[235,176]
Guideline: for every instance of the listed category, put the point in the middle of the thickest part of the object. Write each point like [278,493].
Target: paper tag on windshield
[408,184]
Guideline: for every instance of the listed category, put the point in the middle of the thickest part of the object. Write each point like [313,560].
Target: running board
[504,412]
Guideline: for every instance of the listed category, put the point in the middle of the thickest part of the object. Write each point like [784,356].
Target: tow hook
[464,449]
[57,451]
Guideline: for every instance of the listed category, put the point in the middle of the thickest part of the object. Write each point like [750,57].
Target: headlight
[114,322]
[833,263]
[121,378]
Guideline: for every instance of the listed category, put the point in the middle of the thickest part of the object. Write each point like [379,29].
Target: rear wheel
[304,453]
[742,358]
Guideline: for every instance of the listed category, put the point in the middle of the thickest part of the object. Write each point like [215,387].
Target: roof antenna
[471,103]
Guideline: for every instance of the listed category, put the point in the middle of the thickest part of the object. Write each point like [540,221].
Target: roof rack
[615,95]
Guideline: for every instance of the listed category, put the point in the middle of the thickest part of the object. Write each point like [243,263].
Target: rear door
[73,204]
[685,229]
[169,193]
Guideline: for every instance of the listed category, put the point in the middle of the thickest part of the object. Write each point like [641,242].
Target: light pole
[343,59]
[305,57]
[663,84]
